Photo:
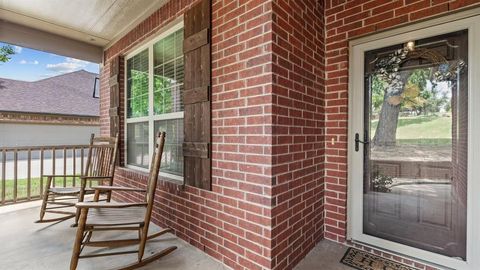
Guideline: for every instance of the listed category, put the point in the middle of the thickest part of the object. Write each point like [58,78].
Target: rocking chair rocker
[101,216]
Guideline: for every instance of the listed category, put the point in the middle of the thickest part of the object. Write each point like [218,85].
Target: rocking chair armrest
[95,178]
[99,205]
[117,188]
[84,179]
[60,175]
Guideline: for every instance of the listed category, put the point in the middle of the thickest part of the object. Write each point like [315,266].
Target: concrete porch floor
[325,256]
[26,245]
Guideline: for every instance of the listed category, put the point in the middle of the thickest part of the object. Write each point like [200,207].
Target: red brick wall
[232,223]
[298,123]
[347,20]
[279,111]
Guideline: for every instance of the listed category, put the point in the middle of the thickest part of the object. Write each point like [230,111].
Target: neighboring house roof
[66,94]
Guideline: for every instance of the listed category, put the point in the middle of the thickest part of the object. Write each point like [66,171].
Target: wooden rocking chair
[101,216]
[100,167]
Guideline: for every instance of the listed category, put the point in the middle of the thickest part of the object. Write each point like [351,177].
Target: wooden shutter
[114,96]
[197,96]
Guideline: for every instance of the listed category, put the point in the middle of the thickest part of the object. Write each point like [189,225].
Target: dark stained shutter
[114,96]
[197,96]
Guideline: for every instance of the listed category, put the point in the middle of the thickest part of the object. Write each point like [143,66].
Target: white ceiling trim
[14,17]
[44,41]
[97,22]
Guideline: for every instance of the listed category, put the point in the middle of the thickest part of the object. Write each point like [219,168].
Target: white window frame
[467,20]
[151,118]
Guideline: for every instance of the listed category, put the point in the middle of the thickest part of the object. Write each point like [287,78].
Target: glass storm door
[416,159]
[414,124]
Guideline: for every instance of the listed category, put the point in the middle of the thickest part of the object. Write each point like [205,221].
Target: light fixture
[411,45]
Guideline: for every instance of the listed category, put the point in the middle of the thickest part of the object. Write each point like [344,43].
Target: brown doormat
[362,260]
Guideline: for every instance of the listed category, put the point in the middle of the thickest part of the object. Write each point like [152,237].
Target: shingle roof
[68,94]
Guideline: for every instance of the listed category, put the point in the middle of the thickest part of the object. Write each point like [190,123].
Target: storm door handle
[358,142]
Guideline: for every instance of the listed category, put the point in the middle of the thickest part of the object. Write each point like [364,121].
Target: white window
[154,102]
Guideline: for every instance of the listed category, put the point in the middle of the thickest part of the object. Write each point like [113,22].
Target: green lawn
[22,185]
[425,130]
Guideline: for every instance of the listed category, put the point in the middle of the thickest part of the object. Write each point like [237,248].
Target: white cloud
[17,49]
[70,65]
[25,62]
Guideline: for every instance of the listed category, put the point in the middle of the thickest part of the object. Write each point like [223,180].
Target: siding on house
[279,100]
[40,135]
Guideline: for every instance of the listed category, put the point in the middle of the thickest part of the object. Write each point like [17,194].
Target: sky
[33,65]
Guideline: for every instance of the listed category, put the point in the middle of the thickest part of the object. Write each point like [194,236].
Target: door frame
[470,20]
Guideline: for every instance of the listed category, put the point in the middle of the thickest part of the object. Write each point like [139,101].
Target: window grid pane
[168,74]
[137,85]
[137,144]
[172,159]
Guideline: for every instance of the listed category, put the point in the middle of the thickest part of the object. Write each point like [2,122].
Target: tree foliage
[411,98]
[416,94]
[420,94]
[163,94]
[379,87]
[138,99]
[5,53]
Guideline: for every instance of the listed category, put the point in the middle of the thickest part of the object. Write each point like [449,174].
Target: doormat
[362,260]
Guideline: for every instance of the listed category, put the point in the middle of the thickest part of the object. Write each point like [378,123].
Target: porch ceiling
[95,22]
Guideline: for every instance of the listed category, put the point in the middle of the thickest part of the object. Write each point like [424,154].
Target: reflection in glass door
[415,154]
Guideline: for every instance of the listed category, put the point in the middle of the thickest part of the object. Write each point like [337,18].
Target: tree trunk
[386,133]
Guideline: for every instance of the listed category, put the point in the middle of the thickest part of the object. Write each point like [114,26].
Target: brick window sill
[136,174]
